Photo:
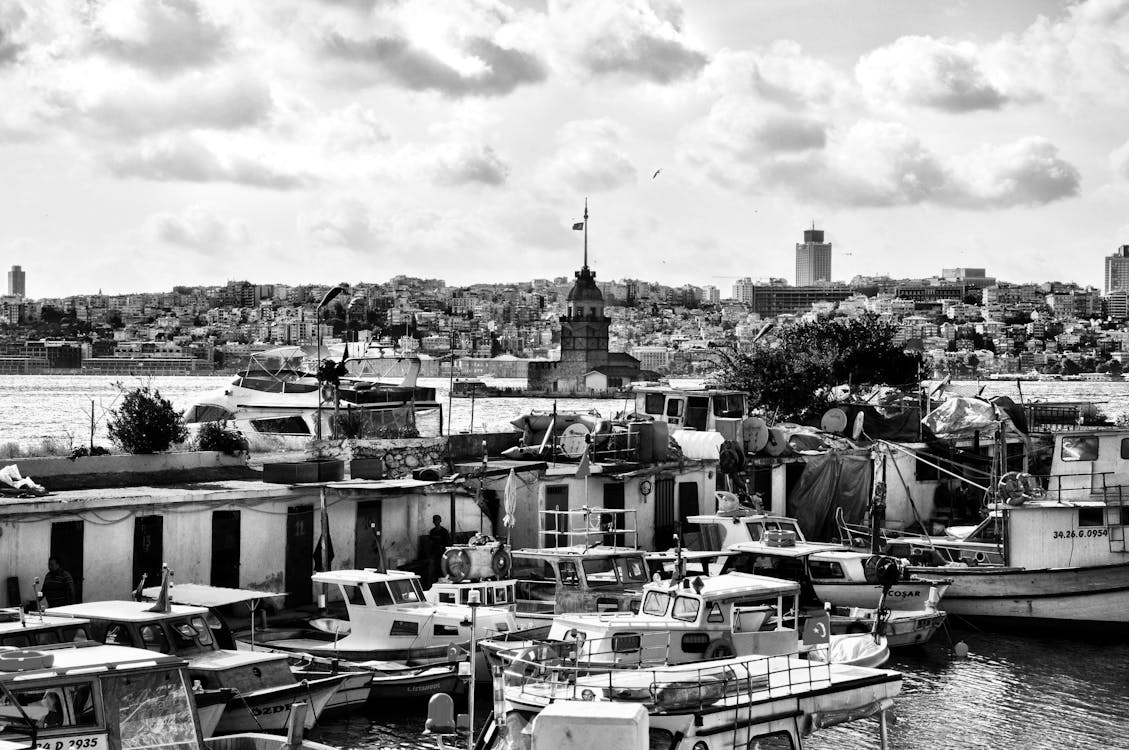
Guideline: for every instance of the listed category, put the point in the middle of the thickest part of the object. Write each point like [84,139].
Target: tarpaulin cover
[961,416]
[898,422]
[832,480]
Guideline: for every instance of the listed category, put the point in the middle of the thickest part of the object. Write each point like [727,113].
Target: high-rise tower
[16,281]
[1117,270]
[813,258]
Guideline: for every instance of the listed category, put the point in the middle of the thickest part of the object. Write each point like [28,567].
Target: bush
[82,450]
[213,436]
[146,422]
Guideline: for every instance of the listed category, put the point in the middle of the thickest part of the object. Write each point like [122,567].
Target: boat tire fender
[455,564]
[718,649]
[501,562]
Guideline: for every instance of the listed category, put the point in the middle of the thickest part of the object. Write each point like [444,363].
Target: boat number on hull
[267,710]
[73,743]
[1080,533]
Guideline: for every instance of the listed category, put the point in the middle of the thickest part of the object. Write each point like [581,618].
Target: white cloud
[927,72]
[198,229]
[160,35]
[590,156]
[634,38]
[191,158]
[463,163]
[781,73]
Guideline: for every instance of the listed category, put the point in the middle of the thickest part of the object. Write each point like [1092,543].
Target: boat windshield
[404,592]
[656,603]
[612,571]
[686,608]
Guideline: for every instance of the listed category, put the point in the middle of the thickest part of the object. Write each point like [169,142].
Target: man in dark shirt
[440,540]
[58,586]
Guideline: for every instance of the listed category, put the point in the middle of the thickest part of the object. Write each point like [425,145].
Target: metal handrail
[589,525]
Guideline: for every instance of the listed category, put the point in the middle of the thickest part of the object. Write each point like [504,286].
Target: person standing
[58,585]
[440,540]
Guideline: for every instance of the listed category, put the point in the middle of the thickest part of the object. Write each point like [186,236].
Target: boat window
[1079,448]
[925,470]
[183,636]
[772,741]
[354,593]
[1091,516]
[153,638]
[446,597]
[653,403]
[685,608]
[626,642]
[715,614]
[755,528]
[711,536]
[281,426]
[207,413]
[632,570]
[75,634]
[118,635]
[15,640]
[825,569]
[674,407]
[502,594]
[729,405]
[569,574]
[203,630]
[44,637]
[403,592]
[655,603]
[1125,447]
[404,627]
[65,706]
[446,630]
[380,595]
[419,590]
[599,572]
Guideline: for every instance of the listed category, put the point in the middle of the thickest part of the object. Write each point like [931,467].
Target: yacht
[276,402]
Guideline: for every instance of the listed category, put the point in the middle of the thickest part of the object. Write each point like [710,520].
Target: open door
[66,545]
[225,548]
[299,554]
[148,549]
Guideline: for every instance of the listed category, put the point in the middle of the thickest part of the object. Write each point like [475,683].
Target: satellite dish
[834,420]
[574,440]
[856,429]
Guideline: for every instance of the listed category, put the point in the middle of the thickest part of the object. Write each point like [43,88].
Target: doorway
[148,549]
[66,546]
[299,554]
[225,548]
[367,535]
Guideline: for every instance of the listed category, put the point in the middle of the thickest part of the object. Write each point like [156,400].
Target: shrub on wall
[213,436]
[146,422]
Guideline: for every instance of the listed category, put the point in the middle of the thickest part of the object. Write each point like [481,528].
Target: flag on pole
[583,470]
[578,225]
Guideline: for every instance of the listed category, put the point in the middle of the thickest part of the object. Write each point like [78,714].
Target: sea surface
[1013,690]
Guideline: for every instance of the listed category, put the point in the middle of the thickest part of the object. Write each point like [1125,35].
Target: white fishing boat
[110,698]
[390,619]
[1052,551]
[265,686]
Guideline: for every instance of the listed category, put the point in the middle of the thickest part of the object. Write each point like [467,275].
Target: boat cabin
[97,696]
[692,620]
[579,578]
[389,610]
[181,631]
[22,630]
[695,409]
[721,531]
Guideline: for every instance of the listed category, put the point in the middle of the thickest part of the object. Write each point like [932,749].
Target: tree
[146,422]
[792,373]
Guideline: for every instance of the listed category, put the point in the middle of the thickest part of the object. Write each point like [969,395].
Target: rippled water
[1011,691]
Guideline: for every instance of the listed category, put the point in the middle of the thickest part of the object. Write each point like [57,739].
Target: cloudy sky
[147,143]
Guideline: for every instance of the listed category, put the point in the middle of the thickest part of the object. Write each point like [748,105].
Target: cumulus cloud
[928,72]
[780,73]
[346,223]
[418,236]
[874,163]
[13,17]
[590,156]
[159,35]
[198,229]
[351,129]
[189,158]
[463,163]
[1119,160]
[636,38]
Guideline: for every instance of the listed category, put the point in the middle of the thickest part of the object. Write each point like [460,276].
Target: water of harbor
[1012,691]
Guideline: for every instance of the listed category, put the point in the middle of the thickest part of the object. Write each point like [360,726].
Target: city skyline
[154,143]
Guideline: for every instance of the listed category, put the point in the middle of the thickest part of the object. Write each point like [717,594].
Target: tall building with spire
[813,258]
[585,363]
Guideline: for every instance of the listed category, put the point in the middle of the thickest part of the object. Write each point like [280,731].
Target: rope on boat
[247,706]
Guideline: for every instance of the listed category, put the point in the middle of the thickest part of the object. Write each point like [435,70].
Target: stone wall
[400,456]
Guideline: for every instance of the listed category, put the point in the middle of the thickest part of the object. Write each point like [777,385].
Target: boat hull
[269,710]
[1057,597]
[422,683]
[903,596]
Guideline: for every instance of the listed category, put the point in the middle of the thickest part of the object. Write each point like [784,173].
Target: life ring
[887,571]
[24,660]
[719,649]
[455,564]
[501,562]
[980,558]
[1011,487]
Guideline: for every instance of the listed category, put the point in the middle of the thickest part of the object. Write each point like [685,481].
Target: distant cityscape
[966,322]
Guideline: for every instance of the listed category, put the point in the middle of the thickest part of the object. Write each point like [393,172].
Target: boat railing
[550,672]
[602,447]
[590,526]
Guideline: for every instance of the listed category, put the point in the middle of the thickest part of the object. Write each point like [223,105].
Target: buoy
[961,649]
